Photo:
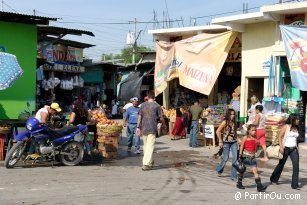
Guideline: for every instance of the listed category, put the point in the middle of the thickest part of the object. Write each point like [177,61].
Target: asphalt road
[181,175]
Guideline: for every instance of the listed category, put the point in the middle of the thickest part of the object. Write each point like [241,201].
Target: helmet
[32,124]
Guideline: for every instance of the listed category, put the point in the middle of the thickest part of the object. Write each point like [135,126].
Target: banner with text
[295,40]
[197,61]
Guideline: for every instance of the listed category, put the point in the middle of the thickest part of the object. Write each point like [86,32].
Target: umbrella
[10,70]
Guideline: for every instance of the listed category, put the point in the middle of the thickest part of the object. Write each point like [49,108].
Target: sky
[110,20]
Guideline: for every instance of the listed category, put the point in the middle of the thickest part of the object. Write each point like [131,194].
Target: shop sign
[59,53]
[295,19]
[74,54]
[266,65]
[234,57]
[64,68]
[209,131]
[234,54]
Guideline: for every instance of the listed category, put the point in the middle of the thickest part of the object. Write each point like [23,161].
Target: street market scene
[205,103]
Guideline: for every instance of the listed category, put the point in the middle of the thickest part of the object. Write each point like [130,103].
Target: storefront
[228,76]
[265,69]
[60,66]
[19,37]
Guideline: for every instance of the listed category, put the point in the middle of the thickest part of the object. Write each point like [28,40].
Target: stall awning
[196,61]
[92,76]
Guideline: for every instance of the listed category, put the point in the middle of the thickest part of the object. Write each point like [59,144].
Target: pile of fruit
[105,126]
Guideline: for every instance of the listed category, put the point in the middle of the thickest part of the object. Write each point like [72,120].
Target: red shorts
[260,135]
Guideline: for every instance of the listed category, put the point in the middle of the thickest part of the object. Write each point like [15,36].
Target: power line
[218,14]
[118,23]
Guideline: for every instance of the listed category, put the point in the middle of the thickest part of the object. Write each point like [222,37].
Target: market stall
[107,134]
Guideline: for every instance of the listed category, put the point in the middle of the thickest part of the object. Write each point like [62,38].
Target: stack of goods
[292,105]
[272,127]
[217,114]
[4,129]
[171,115]
[107,132]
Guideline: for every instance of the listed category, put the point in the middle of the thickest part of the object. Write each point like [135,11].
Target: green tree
[126,54]
[107,56]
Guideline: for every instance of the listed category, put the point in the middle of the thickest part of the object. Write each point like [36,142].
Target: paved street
[181,175]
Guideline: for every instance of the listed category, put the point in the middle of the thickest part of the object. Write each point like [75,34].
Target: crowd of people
[142,120]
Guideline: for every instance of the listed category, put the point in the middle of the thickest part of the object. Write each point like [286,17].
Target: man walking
[131,116]
[195,110]
[149,113]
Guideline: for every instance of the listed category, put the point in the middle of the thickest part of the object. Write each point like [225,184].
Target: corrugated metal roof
[25,18]
[68,42]
[57,31]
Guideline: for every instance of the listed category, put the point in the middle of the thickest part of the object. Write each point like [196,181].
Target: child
[248,150]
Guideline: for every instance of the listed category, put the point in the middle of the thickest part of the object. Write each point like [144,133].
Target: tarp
[131,86]
[295,40]
[196,61]
[10,70]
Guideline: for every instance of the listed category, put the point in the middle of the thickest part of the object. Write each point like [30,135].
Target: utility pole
[2,2]
[134,42]
[34,12]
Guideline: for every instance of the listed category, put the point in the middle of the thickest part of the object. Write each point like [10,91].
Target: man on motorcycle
[44,113]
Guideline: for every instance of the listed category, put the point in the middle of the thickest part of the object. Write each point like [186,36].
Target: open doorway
[255,87]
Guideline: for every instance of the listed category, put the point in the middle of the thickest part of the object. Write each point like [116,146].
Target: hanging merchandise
[272,104]
[67,84]
[38,89]
[75,81]
[39,74]
[81,82]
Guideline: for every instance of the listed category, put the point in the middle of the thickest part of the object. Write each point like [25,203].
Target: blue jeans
[131,128]
[233,147]
[194,133]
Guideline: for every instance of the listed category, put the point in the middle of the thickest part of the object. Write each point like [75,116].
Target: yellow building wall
[257,46]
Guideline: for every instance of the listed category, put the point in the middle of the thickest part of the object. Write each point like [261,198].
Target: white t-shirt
[291,140]
[127,106]
[38,114]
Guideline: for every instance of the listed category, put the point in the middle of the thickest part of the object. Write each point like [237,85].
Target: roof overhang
[24,18]
[267,13]
[285,8]
[75,44]
[194,30]
[59,31]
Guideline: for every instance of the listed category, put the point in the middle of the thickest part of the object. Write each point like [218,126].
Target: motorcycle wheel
[14,154]
[75,151]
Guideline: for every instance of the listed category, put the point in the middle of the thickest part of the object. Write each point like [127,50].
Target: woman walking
[179,129]
[288,147]
[247,156]
[228,142]
[260,131]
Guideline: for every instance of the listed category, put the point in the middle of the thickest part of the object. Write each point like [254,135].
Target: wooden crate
[107,139]
[108,147]
[109,155]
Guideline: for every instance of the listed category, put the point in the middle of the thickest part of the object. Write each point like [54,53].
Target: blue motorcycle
[39,140]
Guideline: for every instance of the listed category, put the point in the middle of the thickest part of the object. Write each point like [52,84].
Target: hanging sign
[295,41]
[64,68]
[197,61]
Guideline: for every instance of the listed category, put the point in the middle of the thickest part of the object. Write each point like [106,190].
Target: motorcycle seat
[63,131]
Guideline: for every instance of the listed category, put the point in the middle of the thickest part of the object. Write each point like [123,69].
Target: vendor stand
[107,134]
[8,129]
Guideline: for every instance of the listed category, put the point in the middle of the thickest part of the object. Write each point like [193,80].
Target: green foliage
[126,54]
